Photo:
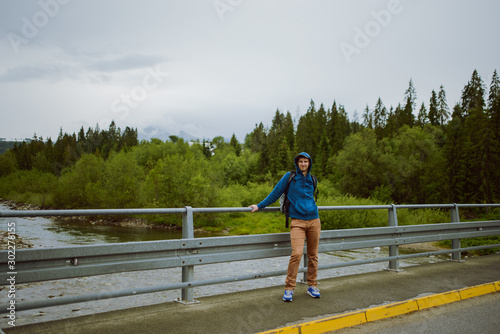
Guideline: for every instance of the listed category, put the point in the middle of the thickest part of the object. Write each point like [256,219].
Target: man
[305,223]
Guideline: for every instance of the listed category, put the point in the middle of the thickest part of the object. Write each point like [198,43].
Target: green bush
[8,163]
[121,181]
[346,219]
[29,186]
[423,216]
[81,186]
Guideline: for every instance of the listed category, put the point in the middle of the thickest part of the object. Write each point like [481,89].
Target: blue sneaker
[313,292]
[287,297]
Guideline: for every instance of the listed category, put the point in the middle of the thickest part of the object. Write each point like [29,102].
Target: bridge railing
[34,265]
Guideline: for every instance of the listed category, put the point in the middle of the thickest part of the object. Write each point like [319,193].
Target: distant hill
[152,132]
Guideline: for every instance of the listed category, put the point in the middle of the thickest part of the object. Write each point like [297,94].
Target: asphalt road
[475,315]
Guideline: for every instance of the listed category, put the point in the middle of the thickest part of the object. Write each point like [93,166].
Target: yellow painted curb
[439,299]
[386,311]
[323,325]
[391,310]
[284,330]
[477,290]
[334,323]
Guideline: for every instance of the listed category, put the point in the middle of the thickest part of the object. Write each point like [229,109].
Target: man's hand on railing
[254,207]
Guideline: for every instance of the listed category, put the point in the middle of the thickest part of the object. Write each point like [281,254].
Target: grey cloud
[80,68]
[49,72]
[125,62]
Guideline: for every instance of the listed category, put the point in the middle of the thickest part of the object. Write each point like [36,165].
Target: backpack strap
[315,191]
[290,178]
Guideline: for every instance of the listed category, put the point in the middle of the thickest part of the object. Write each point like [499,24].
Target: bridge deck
[262,310]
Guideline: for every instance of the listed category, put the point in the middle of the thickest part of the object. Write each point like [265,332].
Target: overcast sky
[218,67]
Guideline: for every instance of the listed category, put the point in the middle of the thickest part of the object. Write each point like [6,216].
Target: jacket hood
[306,155]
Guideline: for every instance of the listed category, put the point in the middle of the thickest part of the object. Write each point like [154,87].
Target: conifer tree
[81,142]
[407,117]
[322,157]
[306,138]
[493,113]
[277,141]
[454,155]
[379,118]
[433,109]
[258,144]
[289,131]
[332,119]
[391,126]
[367,118]
[494,105]
[443,112]
[320,123]
[474,170]
[422,116]
[401,117]
[235,145]
[337,128]
[129,138]
[473,94]
[257,138]
[411,94]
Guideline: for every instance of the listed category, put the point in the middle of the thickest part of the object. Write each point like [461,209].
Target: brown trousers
[300,230]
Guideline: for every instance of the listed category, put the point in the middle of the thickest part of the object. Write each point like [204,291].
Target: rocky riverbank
[13,205]
[12,239]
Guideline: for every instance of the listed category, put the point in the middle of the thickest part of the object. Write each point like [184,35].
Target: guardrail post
[393,250]
[455,243]
[187,295]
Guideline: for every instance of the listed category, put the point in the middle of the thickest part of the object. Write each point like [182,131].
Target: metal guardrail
[33,265]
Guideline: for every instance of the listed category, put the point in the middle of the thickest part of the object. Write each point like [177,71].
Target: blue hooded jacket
[300,193]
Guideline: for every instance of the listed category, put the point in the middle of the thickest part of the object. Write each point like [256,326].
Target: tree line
[429,154]
[50,157]
[406,154]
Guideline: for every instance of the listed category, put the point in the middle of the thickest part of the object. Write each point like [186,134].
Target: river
[43,232]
